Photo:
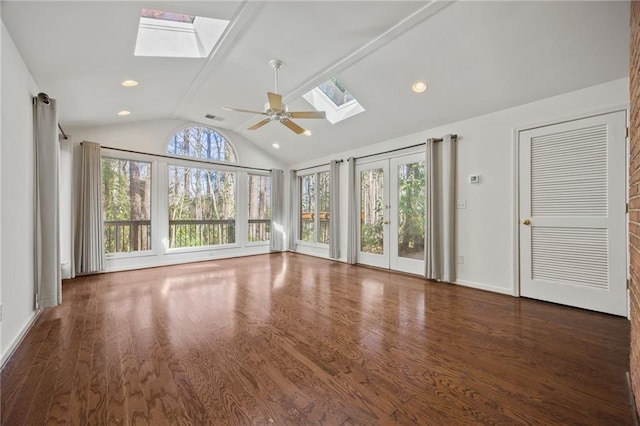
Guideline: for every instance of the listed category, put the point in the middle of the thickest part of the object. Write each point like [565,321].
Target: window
[126,205]
[201,142]
[334,99]
[202,207]
[259,208]
[314,208]
[177,35]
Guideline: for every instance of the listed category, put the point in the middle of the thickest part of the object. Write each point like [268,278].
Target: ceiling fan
[276,110]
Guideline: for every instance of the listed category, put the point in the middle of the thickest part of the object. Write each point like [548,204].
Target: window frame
[316,171]
[179,129]
[126,156]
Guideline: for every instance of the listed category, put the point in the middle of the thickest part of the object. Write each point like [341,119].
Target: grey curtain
[48,286]
[334,209]
[89,241]
[277,210]
[440,209]
[293,210]
[352,211]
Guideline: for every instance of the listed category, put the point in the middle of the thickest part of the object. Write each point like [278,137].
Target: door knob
[386,222]
[526,222]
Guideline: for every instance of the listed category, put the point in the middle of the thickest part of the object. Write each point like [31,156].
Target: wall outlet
[460,260]
[474,178]
[461,204]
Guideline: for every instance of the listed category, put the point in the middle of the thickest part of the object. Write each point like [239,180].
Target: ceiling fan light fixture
[276,145]
[419,86]
[123,113]
[307,132]
[129,83]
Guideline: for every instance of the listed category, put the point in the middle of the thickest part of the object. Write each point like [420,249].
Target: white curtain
[352,211]
[440,209]
[89,245]
[334,209]
[293,210]
[48,284]
[277,210]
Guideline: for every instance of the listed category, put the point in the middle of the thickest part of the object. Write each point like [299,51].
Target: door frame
[516,181]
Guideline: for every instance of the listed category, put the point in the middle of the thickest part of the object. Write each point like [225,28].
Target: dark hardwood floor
[291,339]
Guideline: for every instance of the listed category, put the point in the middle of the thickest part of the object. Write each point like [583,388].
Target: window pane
[307,208]
[323,207]
[201,142]
[126,205]
[411,210]
[371,211]
[259,208]
[202,207]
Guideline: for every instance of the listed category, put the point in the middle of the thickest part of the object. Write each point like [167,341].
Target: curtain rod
[404,147]
[64,135]
[44,98]
[313,167]
[219,163]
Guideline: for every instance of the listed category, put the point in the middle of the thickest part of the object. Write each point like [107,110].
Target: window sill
[310,244]
[180,250]
[131,254]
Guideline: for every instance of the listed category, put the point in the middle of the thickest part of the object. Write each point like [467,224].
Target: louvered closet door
[572,213]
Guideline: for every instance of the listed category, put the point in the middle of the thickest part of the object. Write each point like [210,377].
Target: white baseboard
[6,355]
[486,287]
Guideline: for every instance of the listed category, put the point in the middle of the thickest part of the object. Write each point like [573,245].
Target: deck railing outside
[123,236]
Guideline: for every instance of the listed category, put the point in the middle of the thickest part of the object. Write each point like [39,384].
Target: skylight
[333,98]
[177,35]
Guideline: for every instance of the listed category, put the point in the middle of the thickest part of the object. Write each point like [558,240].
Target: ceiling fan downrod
[276,64]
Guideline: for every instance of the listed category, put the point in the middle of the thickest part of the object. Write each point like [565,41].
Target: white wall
[152,137]
[17,183]
[485,229]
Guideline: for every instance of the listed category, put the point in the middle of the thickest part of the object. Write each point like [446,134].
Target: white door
[573,213]
[391,199]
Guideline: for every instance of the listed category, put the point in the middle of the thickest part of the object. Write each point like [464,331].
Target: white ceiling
[477,57]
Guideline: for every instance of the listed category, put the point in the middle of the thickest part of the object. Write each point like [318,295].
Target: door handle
[526,222]
[386,222]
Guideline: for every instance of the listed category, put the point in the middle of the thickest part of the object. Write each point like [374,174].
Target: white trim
[485,287]
[19,338]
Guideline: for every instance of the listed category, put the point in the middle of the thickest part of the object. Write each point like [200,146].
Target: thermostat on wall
[474,178]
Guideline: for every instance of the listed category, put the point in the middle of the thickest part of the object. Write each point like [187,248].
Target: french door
[392,201]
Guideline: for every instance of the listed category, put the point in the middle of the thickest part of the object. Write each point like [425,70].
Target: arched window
[202,142]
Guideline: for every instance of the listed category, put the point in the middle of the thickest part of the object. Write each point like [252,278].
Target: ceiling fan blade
[275,101]
[259,124]
[308,114]
[293,126]
[243,110]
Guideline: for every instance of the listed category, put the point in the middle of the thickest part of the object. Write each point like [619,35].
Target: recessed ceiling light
[419,86]
[275,145]
[307,132]
[129,83]
[124,112]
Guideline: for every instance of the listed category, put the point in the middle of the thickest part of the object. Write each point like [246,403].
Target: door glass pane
[371,211]
[308,208]
[411,210]
[323,207]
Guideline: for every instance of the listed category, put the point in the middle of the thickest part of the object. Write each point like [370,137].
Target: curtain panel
[277,210]
[89,241]
[334,209]
[440,209]
[48,285]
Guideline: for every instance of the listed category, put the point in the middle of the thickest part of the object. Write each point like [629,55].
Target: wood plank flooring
[292,339]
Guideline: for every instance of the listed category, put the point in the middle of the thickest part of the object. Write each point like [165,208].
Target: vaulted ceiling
[477,57]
